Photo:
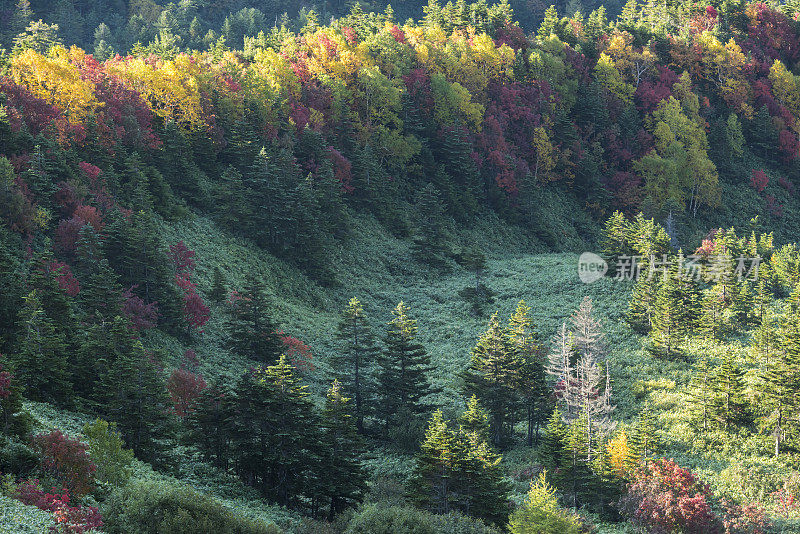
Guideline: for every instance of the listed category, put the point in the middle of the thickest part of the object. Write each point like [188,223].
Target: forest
[299,268]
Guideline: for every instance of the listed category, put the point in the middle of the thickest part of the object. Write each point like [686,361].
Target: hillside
[292,268]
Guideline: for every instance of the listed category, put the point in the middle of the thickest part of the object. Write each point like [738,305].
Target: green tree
[403,376]
[355,361]
[344,480]
[491,376]
[41,359]
[251,329]
[541,513]
[107,451]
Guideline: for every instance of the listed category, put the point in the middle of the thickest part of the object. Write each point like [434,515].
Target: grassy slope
[377,268]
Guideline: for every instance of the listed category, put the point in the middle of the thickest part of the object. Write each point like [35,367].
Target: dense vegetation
[192,194]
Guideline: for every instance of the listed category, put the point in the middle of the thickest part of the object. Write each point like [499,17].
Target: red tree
[184,388]
[67,461]
[759,180]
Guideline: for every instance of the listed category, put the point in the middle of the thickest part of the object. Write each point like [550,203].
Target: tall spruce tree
[344,479]
[491,376]
[403,376]
[354,362]
[251,330]
[779,389]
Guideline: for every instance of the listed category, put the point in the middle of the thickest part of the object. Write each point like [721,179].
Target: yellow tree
[56,81]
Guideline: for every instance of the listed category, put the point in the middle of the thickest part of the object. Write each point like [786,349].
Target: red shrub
[66,280]
[664,498]
[298,353]
[184,388]
[67,461]
[142,316]
[68,519]
[786,184]
[759,180]
[190,360]
[182,258]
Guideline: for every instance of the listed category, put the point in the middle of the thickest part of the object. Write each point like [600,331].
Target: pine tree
[430,241]
[532,380]
[491,376]
[644,440]
[134,395]
[643,302]
[670,313]
[730,406]
[701,396]
[251,330]
[219,290]
[344,480]
[210,424]
[574,476]
[551,450]
[404,365]
[433,483]
[41,359]
[780,384]
[354,362]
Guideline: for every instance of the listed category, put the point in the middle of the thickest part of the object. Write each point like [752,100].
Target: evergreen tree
[134,395]
[491,376]
[219,290]
[780,384]
[575,476]
[210,424]
[532,379]
[354,362]
[670,315]
[344,480]
[251,330]
[644,441]
[274,433]
[430,242]
[402,380]
[41,359]
[730,406]
[551,450]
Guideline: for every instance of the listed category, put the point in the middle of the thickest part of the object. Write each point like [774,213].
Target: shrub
[541,513]
[664,497]
[16,457]
[146,506]
[107,451]
[68,519]
[66,461]
[376,519]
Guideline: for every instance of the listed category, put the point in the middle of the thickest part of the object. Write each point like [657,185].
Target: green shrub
[16,457]
[107,451]
[375,519]
[145,506]
[541,514]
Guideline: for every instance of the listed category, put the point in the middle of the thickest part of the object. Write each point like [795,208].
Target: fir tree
[532,379]
[251,330]
[404,365]
[354,362]
[780,383]
[344,480]
[644,441]
[491,376]
[551,450]
[670,314]
[730,406]
[430,242]
[219,290]
[41,360]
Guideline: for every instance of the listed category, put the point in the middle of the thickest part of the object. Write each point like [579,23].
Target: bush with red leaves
[66,461]
[194,309]
[141,315]
[297,352]
[63,274]
[184,388]
[68,519]
[665,498]
[759,180]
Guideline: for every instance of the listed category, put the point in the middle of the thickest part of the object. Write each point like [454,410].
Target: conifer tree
[532,380]
[491,376]
[274,438]
[344,480]
[355,361]
[701,396]
[219,290]
[404,364]
[780,384]
[670,314]
[251,330]
[433,483]
[644,441]
[430,242]
[210,424]
[551,450]
[730,406]
[134,395]
[41,360]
